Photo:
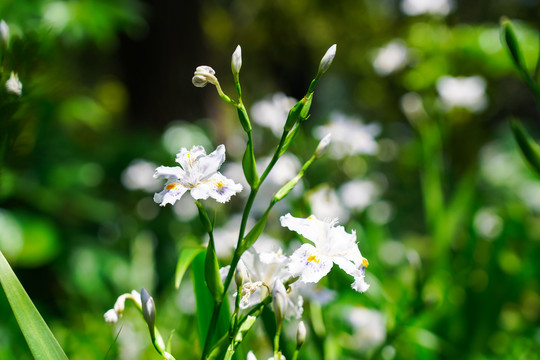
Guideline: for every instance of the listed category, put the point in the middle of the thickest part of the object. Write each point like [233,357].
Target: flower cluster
[263,277]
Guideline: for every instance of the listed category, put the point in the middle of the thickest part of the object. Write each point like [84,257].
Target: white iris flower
[198,173]
[332,245]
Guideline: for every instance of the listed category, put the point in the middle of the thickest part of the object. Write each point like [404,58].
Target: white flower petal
[170,194]
[309,263]
[168,172]
[209,165]
[217,187]
[311,228]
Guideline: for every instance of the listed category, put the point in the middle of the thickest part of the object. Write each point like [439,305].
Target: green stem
[277,353]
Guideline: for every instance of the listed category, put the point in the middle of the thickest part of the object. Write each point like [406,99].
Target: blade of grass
[39,337]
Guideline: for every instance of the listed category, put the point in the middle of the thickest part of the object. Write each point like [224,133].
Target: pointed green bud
[249,165]
[304,114]
[326,60]
[149,312]
[236,61]
[300,334]
[244,119]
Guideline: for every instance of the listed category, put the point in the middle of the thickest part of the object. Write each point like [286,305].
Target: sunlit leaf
[186,257]
[39,337]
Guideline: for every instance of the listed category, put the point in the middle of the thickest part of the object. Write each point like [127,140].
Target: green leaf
[248,164]
[205,303]
[186,257]
[529,148]
[255,232]
[218,351]
[294,114]
[304,114]
[211,272]
[510,40]
[39,337]
[205,220]
[288,140]
[244,119]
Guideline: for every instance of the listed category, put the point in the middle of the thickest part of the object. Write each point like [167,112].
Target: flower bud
[13,85]
[236,62]
[327,59]
[323,145]
[240,274]
[4,33]
[148,311]
[300,334]
[110,316]
[280,300]
[204,75]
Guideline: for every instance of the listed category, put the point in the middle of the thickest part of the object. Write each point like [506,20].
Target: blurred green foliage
[453,238]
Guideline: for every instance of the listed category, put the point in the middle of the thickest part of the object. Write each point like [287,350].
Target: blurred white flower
[369,327]
[391,57]
[350,136]
[325,204]
[332,245]
[418,7]
[13,85]
[4,33]
[251,356]
[139,176]
[358,194]
[466,92]
[487,223]
[272,112]
[198,173]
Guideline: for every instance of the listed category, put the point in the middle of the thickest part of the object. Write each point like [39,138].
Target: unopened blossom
[331,245]
[327,60]
[112,315]
[204,75]
[323,145]
[236,61]
[197,173]
[13,85]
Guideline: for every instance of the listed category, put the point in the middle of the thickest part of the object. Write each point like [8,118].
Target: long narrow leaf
[205,302]
[39,337]
[529,148]
[184,260]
